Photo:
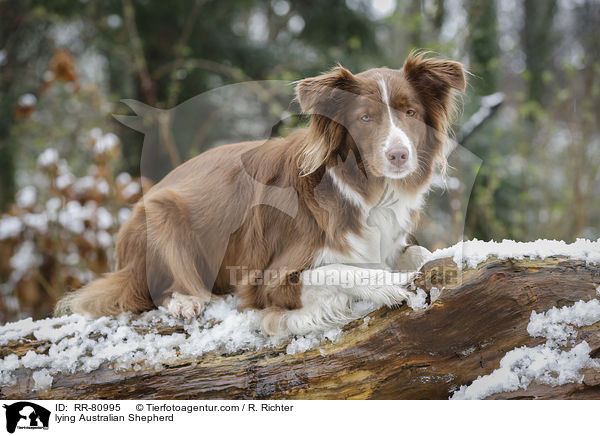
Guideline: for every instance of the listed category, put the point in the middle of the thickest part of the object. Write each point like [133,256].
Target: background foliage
[65,64]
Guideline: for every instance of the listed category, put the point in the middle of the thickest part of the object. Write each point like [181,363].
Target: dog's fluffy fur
[224,212]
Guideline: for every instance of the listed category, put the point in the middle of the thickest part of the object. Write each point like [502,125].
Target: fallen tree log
[480,315]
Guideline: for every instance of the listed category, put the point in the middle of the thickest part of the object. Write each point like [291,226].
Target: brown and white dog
[374,138]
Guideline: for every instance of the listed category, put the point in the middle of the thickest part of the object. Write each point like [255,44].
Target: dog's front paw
[185,306]
[412,258]
[391,296]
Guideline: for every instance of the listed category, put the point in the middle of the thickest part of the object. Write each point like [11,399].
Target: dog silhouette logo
[26,415]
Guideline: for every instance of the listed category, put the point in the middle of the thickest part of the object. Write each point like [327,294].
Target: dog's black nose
[397,156]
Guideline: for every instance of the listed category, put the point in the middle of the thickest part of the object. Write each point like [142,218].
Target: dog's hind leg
[172,242]
[329,294]
[322,309]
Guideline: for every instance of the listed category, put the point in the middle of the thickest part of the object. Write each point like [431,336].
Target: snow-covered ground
[472,253]
[556,362]
[559,360]
[80,344]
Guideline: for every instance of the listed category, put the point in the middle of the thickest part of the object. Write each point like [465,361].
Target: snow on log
[501,320]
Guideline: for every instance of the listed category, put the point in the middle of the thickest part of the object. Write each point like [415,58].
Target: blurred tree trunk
[483,49]
[11,20]
[483,45]
[147,86]
[440,16]
[585,117]
[415,18]
[536,40]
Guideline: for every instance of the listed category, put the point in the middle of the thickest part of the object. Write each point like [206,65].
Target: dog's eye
[411,113]
[366,118]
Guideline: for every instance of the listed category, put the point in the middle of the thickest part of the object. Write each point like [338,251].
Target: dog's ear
[324,98]
[439,83]
[320,94]
[438,76]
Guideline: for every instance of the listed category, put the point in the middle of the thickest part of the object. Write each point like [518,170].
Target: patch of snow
[37,221]
[80,344]
[52,207]
[9,364]
[90,236]
[467,351]
[556,323]
[26,197]
[123,214]
[417,301]
[84,184]
[48,76]
[64,180]
[104,238]
[472,253]
[25,258]
[434,293]
[10,301]
[47,158]
[27,100]
[123,179]
[300,344]
[102,186]
[103,218]
[114,21]
[10,226]
[133,188]
[72,259]
[42,380]
[96,133]
[74,215]
[547,363]
[105,143]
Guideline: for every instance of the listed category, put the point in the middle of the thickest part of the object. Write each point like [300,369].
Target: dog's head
[396,120]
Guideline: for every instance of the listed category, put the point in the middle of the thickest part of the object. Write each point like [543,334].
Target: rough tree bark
[394,354]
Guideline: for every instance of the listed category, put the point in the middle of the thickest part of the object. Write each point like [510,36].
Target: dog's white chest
[384,228]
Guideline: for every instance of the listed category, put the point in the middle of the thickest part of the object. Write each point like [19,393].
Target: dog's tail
[111,294]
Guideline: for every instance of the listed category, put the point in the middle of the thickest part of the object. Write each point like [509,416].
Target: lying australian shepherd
[306,202]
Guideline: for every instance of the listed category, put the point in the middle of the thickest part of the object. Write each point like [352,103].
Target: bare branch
[139,60]
[489,106]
